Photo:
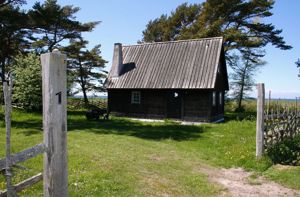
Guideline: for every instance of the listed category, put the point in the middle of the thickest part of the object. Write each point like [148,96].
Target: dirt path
[238,182]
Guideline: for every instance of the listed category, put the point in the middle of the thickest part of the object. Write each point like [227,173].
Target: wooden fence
[54,147]
[279,125]
[276,121]
[78,103]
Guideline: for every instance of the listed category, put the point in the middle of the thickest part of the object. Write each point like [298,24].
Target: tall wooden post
[55,124]
[8,170]
[260,120]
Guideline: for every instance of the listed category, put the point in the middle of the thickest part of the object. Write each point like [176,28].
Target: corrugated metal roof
[187,64]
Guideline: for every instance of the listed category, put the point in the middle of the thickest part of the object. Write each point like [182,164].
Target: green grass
[287,176]
[121,157]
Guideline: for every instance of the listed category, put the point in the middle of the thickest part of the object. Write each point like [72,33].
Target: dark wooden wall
[196,105]
[152,103]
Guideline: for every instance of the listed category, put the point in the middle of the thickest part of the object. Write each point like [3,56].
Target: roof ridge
[175,41]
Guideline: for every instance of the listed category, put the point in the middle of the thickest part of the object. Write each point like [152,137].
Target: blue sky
[124,20]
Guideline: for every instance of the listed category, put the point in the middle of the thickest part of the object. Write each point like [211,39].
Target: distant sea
[279,99]
[79,96]
[272,99]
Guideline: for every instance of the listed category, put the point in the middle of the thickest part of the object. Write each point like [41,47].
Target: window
[214,94]
[135,97]
[220,98]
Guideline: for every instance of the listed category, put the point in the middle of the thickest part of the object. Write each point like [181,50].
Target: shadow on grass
[118,126]
[150,131]
[29,127]
[27,124]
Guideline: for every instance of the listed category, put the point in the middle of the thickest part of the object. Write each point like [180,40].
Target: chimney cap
[119,44]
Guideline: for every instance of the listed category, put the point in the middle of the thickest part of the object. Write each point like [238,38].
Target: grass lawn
[121,157]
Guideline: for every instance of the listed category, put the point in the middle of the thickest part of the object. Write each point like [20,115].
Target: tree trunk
[82,84]
[85,98]
[241,94]
[241,97]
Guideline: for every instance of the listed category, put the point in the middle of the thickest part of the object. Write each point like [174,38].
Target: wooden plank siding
[196,104]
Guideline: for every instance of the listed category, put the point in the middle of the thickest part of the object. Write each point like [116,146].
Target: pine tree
[4,3]
[244,68]
[298,65]
[87,66]
[54,23]
[237,21]
[156,30]
[173,27]
[14,32]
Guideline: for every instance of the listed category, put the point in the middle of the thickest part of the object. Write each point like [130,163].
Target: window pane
[135,97]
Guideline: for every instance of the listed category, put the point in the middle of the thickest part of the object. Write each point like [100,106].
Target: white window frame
[135,97]
[214,97]
[221,98]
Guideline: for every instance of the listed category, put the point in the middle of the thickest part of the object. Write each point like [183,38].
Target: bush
[28,82]
[286,152]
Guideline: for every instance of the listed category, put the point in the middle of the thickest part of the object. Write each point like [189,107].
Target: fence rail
[23,156]
[79,103]
[24,184]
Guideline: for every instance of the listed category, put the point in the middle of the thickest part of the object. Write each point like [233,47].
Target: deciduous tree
[28,81]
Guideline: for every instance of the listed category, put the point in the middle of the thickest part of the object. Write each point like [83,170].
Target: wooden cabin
[183,80]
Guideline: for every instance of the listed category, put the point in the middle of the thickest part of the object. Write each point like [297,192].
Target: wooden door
[174,102]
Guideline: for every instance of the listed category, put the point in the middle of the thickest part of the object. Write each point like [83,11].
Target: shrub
[28,82]
[286,152]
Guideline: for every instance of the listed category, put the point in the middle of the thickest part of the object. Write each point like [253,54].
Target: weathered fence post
[260,120]
[269,102]
[8,171]
[55,124]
